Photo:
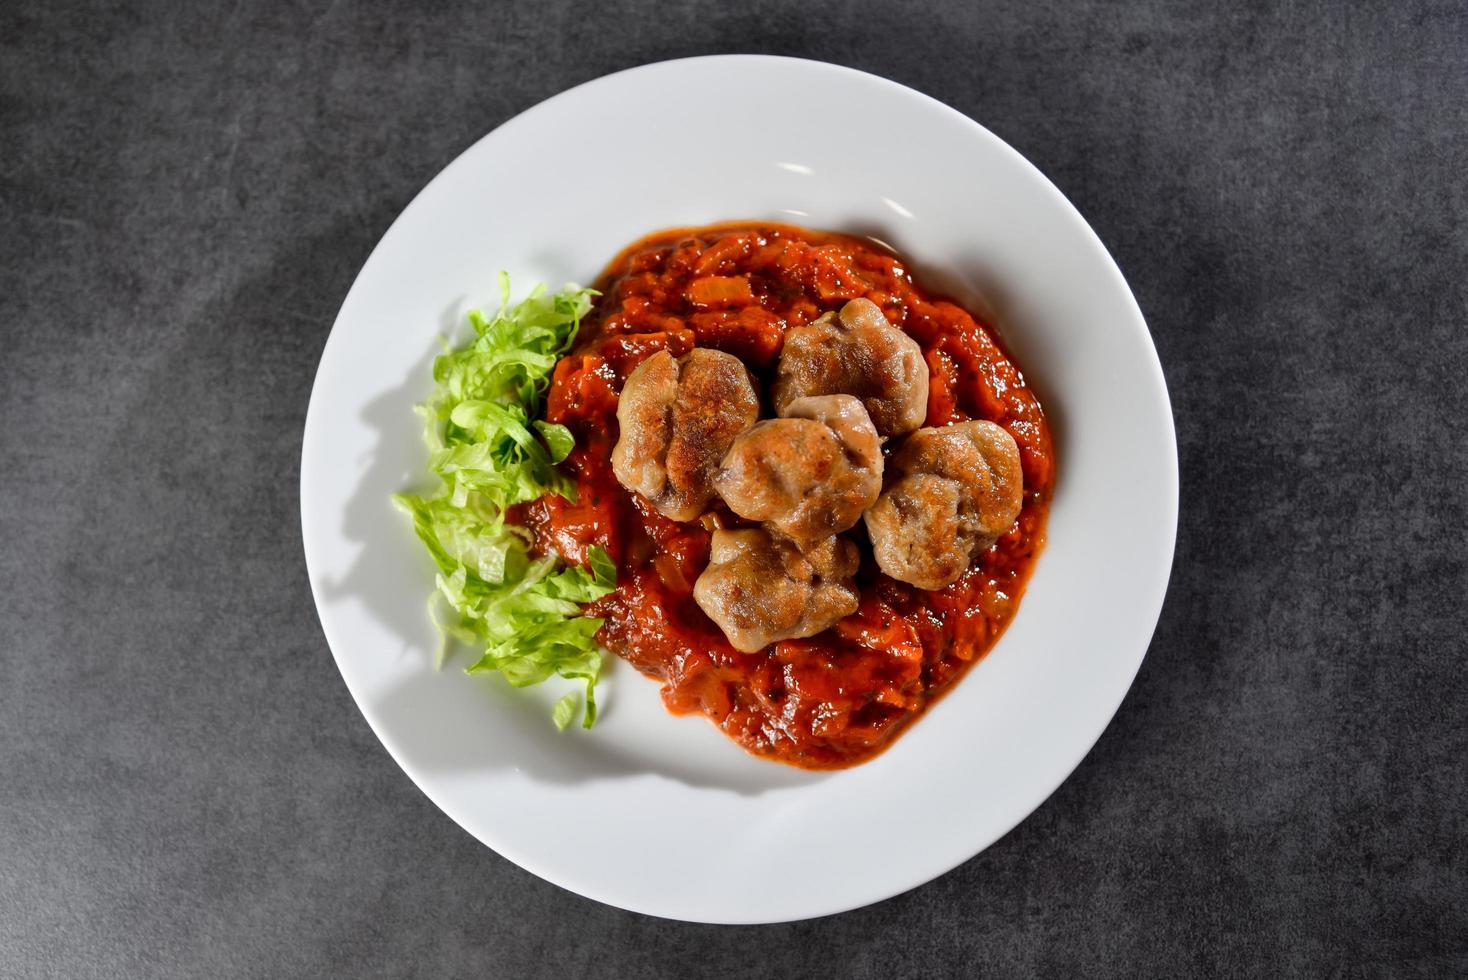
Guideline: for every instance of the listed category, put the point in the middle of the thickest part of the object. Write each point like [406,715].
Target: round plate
[663,814]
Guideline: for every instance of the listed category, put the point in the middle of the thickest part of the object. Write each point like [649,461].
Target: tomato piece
[719,292]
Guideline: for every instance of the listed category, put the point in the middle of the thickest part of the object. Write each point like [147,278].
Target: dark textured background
[186,789]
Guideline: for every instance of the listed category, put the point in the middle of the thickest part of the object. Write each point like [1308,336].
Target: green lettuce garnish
[490,451]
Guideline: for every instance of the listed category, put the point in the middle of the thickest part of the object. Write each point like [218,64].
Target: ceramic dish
[663,814]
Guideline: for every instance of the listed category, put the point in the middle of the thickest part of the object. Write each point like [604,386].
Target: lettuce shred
[521,613]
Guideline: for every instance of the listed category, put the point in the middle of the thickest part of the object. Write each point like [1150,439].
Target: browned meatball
[951,492]
[677,420]
[810,474]
[856,353]
[761,588]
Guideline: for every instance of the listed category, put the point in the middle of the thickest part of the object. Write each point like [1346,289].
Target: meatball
[678,418]
[811,474]
[951,492]
[856,353]
[760,588]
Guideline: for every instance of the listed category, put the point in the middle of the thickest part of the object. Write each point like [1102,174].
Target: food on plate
[810,572]
[678,417]
[952,491]
[761,588]
[810,474]
[806,634]
[856,351]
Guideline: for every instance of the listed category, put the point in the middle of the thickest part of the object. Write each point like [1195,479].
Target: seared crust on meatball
[811,474]
[856,353]
[951,492]
[760,588]
[678,418]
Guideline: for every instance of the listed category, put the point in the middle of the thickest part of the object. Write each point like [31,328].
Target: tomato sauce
[840,697]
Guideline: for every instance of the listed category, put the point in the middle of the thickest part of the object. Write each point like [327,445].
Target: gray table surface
[186,192]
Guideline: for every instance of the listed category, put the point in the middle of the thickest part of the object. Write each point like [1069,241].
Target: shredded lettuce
[522,614]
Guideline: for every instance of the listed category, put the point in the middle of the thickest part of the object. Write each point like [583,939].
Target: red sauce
[840,697]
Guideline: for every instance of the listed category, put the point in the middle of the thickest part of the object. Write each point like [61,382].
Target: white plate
[663,814]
